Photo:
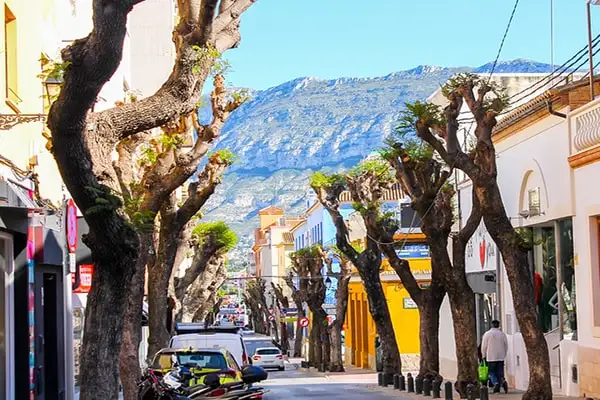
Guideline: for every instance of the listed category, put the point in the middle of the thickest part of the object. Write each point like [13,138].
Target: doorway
[49,372]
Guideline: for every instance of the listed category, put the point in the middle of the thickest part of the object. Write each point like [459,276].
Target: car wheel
[281,368]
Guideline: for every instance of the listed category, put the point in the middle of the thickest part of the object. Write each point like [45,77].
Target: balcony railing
[585,127]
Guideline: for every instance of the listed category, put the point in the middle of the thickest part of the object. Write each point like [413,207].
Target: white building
[547,166]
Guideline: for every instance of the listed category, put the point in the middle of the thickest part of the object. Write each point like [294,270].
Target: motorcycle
[175,385]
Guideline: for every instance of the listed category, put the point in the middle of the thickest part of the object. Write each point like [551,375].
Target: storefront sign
[86,271]
[409,303]
[414,251]
[481,253]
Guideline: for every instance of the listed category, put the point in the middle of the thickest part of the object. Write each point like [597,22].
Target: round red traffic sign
[71,226]
[304,322]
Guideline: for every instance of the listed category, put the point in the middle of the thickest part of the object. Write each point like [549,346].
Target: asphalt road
[295,384]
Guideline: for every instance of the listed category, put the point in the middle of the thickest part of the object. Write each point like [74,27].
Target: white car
[268,357]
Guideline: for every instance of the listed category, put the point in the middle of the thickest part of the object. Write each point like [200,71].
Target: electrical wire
[512,15]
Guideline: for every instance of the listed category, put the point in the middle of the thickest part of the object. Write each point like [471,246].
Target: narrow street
[296,384]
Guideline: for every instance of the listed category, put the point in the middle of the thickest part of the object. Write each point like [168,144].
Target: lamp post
[9,121]
[590,53]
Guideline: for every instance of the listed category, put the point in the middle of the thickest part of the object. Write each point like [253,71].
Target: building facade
[547,158]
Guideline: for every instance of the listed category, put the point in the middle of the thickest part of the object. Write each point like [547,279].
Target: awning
[14,195]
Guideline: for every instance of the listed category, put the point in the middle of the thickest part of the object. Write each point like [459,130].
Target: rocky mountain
[289,131]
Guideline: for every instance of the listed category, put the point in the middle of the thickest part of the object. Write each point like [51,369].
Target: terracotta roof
[539,102]
[288,237]
[271,211]
[392,194]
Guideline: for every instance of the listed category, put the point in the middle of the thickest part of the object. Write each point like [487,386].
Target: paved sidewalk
[512,394]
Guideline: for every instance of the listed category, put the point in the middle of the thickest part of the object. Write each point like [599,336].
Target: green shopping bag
[483,372]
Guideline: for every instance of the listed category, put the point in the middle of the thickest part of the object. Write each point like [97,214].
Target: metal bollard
[410,383]
[419,385]
[484,394]
[385,381]
[471,392]
[396,381]
[448,391]
[380,378]
[321,367]
[402,383]
[435,390]
[426,387]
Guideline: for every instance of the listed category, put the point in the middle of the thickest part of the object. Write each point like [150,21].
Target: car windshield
[268,352]
[208,360]
[252,345]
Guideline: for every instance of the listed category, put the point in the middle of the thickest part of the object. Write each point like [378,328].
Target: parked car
[206,338]
[255,341]
[268,357]
[200,361]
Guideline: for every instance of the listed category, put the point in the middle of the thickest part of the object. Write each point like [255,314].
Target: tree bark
[341,306]
[516,262]
[298,301]
[481,168]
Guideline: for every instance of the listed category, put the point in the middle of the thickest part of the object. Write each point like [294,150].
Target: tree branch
[472,222]
[200,191]
[232,13]
[208,9]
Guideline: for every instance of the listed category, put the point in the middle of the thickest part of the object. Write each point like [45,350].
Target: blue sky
[286,39]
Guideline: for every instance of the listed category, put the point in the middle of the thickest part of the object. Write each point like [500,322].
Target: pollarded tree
[201,296]
[341,306]
[83,141]
[366,183]
[282,302]
[254,298]
[212,240]
[298,296]
[486,100]
[308,264]
[425,180]
[175,237]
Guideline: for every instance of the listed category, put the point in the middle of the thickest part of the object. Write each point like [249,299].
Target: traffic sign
[71,226]
[304,322]
[330,319]
[271,318]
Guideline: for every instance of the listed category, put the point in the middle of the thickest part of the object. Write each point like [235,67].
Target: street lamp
[8,121]
[590,55]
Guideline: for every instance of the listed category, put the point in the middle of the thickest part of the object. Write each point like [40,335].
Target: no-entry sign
[304,322]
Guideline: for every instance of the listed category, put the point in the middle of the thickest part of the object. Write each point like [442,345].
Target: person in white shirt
[494,347]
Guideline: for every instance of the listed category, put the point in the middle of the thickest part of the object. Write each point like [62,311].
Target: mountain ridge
[287,132]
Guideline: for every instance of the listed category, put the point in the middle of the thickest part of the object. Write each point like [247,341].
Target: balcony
[584,124]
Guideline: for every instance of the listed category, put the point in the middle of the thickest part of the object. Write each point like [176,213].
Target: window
[268,352]
[10,57]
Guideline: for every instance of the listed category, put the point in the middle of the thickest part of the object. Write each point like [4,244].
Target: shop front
[32,328]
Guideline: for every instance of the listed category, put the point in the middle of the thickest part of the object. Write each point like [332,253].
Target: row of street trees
[307,286]
[130,205]
[421,157]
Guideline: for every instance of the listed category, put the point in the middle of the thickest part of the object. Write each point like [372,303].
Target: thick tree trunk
[103,329]
[429,331]
[159,275]
[314,347]
[129,363]
[341,306]
[462,305]
[514,254]
[381,315]
[299,336]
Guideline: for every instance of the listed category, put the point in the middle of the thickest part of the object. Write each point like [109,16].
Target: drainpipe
[498,286]
[551,110]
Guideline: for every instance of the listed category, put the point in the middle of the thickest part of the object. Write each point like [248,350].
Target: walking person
[494,347]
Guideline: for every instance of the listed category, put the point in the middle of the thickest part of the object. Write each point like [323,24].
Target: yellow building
[360,332]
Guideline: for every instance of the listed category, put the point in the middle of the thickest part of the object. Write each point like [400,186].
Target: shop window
[548,243]
[10,57]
